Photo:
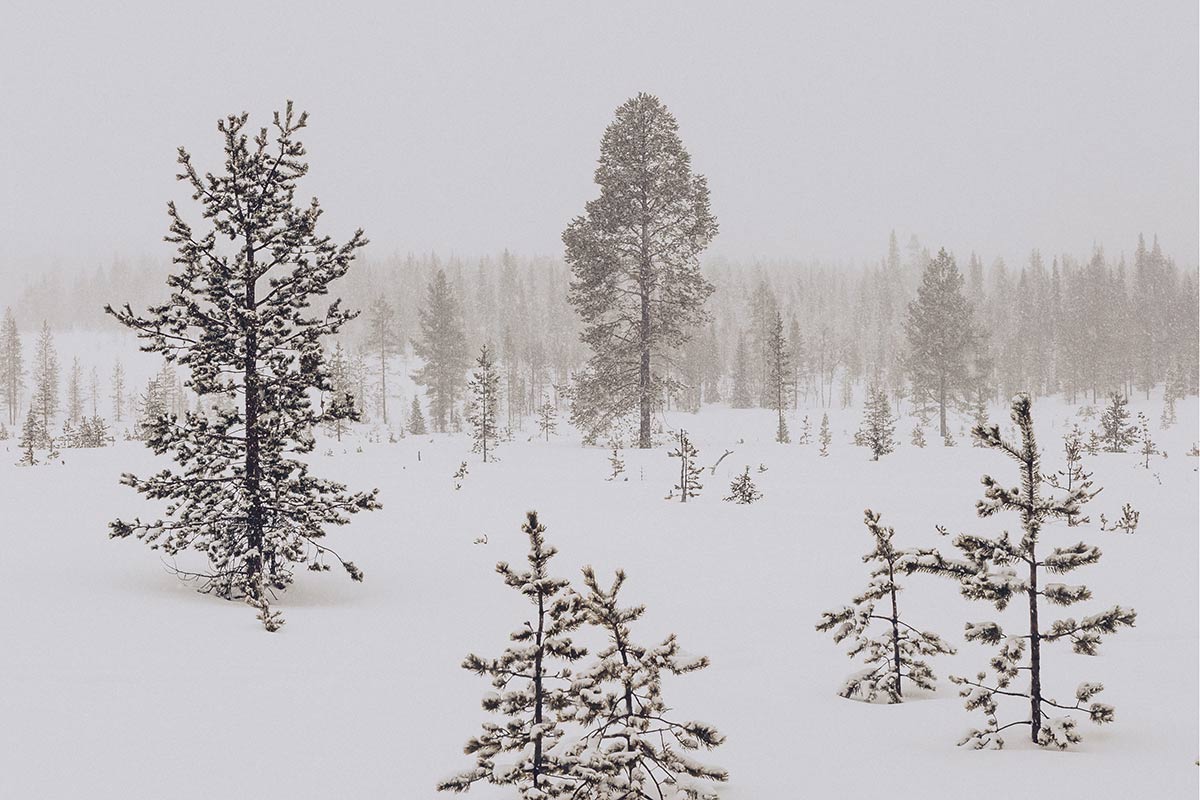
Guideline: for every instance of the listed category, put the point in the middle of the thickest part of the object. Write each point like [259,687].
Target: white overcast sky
[471,127]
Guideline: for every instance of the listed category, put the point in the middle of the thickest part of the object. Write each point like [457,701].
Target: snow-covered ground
[121,682]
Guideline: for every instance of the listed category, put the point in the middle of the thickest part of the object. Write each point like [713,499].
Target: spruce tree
[941,336]
[1117,435]
[483,410]
[383,342]
[45,377]
[547,418]
[1002,570]
[416,419]
[634,258]
[689,471]
[742,489]
[238,320]
[533,687]
[824,436]
[779,385]
[895,651]
[878,425]
[443,347]
[631,747]
[12,368]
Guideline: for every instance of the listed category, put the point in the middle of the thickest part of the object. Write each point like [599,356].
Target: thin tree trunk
[537,693]
[895,630]
[254,518]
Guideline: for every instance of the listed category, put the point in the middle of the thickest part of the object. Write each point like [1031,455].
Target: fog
[468,128]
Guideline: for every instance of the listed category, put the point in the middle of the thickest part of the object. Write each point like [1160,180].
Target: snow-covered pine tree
[634,257]
[824,436]
[117,384]
[12,367]
[1168,417]
[238,320]
[631,748]
[805,431]
[1117,435]
[991,570]
[878,426]
[45,377]
[1148,449]
[483,409]
[547,418]
[1074,473]
[443,348]
[532,679]
[894,651]
[416,418]
[339,410]
[779,385]
[33,438]
[742,489]
[616,464]
[941,337]
[741,390]
[689,471]
[918,436]
[382,343]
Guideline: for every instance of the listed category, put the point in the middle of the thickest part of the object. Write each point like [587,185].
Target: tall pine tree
[239,320]
[941,335]
[443,347]
[12,369]
[634,257]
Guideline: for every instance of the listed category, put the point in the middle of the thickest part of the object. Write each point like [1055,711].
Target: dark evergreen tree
[895,651]
[1117,435]
[483,409]
[878,426]
[689,471]
[12,366]
[533,687]
[382,342]
[238,320]
[1001,570]
[631,747]
[443,346]
[416,419]
[742,489]
[941,335]
[634,256]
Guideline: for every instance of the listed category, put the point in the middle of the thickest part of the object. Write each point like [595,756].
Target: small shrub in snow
[689,471]
[878,426]
[742,490]
[893,650]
